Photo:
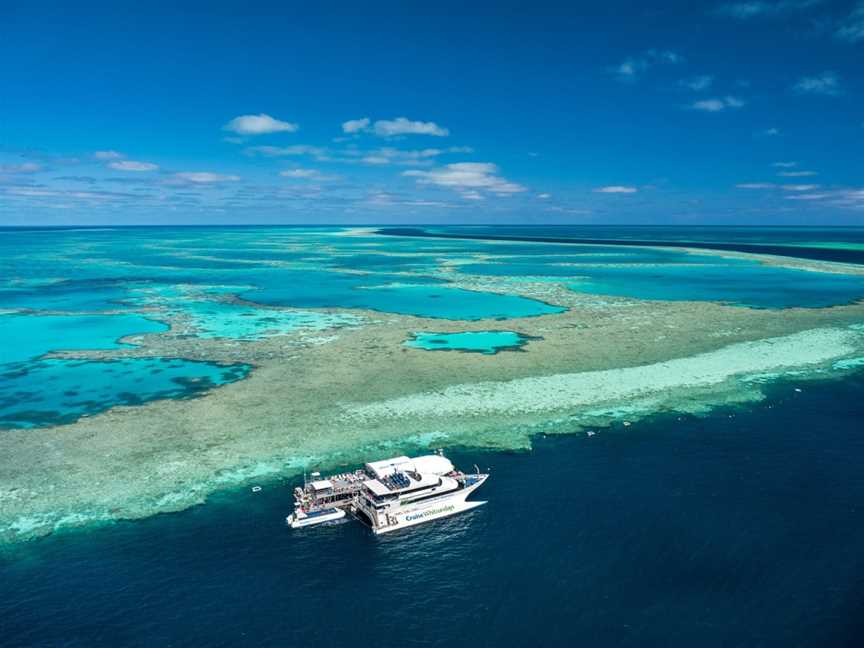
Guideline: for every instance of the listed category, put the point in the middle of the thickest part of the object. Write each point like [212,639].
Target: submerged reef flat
[299,382]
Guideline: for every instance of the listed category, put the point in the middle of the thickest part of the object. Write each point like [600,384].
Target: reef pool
[486,342]
[58,391]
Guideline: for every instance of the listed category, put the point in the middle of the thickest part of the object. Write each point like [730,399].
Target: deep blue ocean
[744,528]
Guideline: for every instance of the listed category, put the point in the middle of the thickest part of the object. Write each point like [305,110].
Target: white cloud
[24,167]
[616,189]
[797,174]
[717,104]
[258,125]
[356,125]
[821,196]
[375,160]
[770,132]
[204,177]
[544,196]
[300,173]
[800,187]
[287,151]
[785,165]
[756,185]
[764,9]
[303,174]
[108,155]
[698,83]
[390,155]
[631,67]
[851,29]
[842,198]
[470,176]
[132,165]
[826,83]
[404,126]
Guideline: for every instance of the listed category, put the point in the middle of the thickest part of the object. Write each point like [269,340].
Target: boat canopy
[432,465]
[378,489]
[387,467]
[425,465]
[321,484]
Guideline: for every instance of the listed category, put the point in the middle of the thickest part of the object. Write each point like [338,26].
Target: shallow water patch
[421,300]
[485,342]
[49,392]
[35,335]
[753,285]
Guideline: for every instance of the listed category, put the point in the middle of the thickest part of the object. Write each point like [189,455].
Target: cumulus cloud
[404,126]
[204,177]
[764,9]
[108,155]
[356,125]
[770,132]
[826,83]
[132,165]
[616,189]
[632,67]
[717,104]
[851,29]
[467,177]
[258,125]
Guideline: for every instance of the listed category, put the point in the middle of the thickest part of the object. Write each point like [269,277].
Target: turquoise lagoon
[57,391]
[37,391]
[737,282]
[485,342]
[434,301]
[219,319]
[30,336]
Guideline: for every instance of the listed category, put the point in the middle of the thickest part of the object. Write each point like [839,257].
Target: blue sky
[745,112]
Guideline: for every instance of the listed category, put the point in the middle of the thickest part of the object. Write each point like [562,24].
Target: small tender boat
[300,518]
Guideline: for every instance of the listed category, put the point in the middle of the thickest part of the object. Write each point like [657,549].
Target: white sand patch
[567,391]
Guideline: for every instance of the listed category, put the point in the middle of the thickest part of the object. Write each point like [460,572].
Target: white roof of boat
[378,488]
[381,489]
[321,484]
[389,466]
[427,464]
[433,465]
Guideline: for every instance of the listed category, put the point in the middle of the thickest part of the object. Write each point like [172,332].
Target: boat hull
[434,509]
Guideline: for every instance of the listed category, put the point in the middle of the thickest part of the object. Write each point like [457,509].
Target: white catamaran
[388,495]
